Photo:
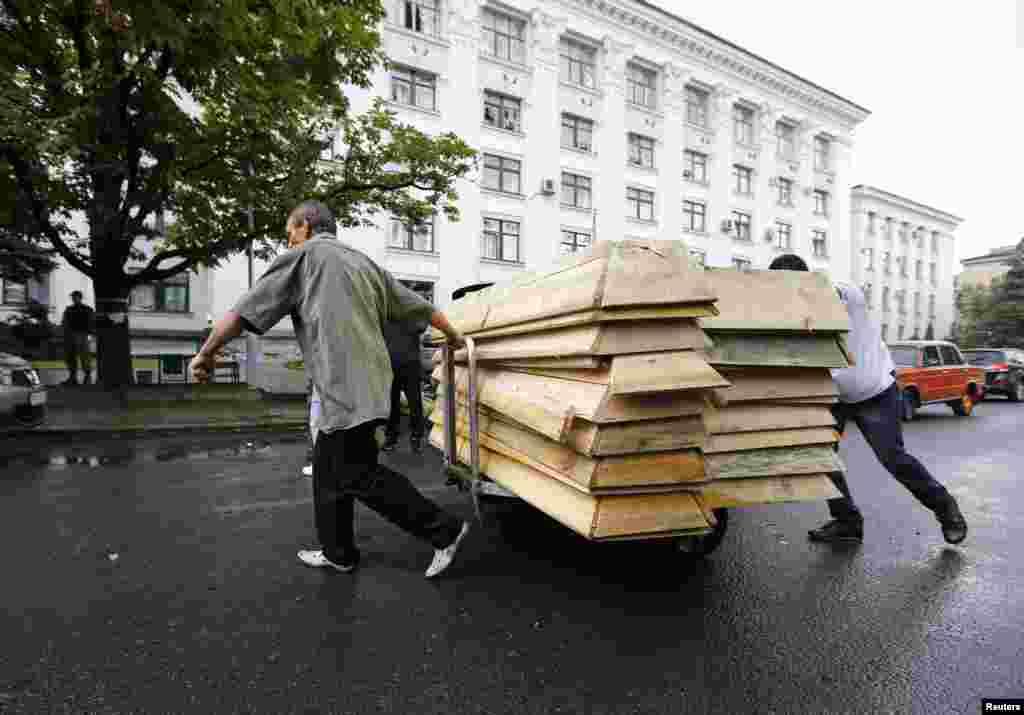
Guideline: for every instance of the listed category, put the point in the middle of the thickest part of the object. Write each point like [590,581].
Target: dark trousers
[408,379]
[879,422]
[345,468]
[76,349]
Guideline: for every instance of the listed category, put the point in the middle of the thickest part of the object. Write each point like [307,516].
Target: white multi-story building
[595,119]
[904,260]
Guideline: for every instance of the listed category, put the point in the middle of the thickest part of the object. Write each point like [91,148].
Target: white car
[22,395]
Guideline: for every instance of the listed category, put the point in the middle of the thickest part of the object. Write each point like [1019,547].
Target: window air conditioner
[727,225]
[547,187]
[687,174]
[769,235]
[808,191]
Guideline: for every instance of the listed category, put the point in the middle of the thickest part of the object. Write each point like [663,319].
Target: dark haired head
[788,262]
[319,217]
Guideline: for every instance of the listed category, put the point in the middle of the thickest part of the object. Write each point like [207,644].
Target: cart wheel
[698,546]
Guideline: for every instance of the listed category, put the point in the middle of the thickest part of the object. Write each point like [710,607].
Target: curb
[96,430]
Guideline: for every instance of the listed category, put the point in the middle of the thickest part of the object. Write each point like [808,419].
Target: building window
[698,258]
[742,180]
[819,243]
[741,221]
[696,106]
[641,151]
[901,302]
[931,306]
[578,63]
[640,204]
[14,292]
[935,243]
[885,331]
[785,136]
[820,202]
[503,112]
[901,262]
[869,259]
[574,242]
[885,299]
[576,191]
[783,235]
[640,85]
[917,303]
[868,288]
[886,263]
[167,296]
[899,332]
[931,273]
[919,269]
[504,36]
[743,124]
[871,223]
[501,240]
[419,16]
[414,88]
[741,264]
[785,187]
[502,174]
[412,237]
[695,166]
[577,132]
[822,147]
[694,217]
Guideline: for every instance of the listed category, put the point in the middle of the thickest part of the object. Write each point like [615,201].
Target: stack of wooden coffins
[624,394]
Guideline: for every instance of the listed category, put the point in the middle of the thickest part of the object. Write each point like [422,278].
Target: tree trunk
[113,337]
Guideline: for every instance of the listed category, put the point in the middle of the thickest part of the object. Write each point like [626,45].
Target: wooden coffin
[775,301]
[774,462]
[593,340]
[727,493]
[611,275]
[543,403]
[738,349]
[590,474]
[604,517]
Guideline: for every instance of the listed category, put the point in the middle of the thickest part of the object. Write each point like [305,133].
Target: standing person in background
[404,343]
[339,300]
[869,396]
[79,321]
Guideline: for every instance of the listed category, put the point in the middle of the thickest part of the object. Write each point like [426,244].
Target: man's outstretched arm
[440,321]
[224,331]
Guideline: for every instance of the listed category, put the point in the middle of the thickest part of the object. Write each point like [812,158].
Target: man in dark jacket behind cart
[403,341]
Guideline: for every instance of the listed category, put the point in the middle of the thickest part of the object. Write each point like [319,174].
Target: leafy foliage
[993,316]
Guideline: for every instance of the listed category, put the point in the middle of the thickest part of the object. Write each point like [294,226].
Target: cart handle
[451,455]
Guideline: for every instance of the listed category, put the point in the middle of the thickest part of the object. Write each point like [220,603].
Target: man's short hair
[319,217]
[788,262]
[76,293]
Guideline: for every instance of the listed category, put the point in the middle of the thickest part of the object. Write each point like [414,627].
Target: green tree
[1004,322]
[973,305]
[117,113]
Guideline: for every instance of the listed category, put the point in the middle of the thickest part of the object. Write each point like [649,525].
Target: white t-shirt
[872,373]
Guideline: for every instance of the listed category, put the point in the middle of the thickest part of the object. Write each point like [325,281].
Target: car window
[985,357]
[950,356]
[904,357]
[931,356]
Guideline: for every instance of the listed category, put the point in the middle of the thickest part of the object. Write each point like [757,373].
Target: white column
[720,198]
[805,184]
[610,141]
[670,159]
[543,144]
[841,244]
[459,243]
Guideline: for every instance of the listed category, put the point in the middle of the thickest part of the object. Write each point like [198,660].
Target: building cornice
[863,191]
[702,47]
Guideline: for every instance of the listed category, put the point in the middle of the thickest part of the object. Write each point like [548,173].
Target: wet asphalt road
[144,576]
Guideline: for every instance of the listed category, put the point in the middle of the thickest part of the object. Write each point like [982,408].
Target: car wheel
[963,407]
[29,416]
[908,406]
[1016,393]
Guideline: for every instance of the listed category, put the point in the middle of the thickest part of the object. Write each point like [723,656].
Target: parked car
[931,372]
[1004,370]
[22,395]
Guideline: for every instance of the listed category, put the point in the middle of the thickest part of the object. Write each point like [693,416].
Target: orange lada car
[931,372]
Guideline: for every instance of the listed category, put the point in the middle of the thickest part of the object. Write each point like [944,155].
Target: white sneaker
[316,559]
[443,557]
[307,471]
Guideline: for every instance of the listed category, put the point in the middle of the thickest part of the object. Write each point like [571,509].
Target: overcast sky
[944,82]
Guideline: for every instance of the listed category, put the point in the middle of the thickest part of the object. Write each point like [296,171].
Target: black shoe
[417,444]
[838,531]
[954,526]
[390,442]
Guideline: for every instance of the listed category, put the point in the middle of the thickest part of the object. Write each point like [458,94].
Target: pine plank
[564,363]
[742,441]
[662,372]
[768,350]
[731,493]
[653,273]
[757,417]
[775,462]
[772,301]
